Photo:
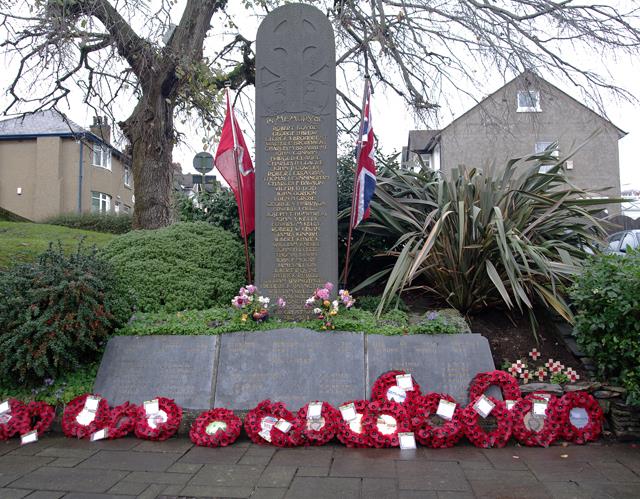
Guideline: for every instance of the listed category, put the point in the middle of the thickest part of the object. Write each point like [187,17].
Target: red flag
[234,163]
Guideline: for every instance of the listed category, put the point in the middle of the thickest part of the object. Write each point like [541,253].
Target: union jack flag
[365,181]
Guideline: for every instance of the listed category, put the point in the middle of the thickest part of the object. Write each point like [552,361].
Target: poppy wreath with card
[521,413]
[351,433]
[386,381]
[160,426]
[315,431]
[437,437]
[253,424]
[574,400]
[12,421]
[39,418]
[507,383]
[383,421]
[215,428]
[72,428]
[123,420]
[480,437]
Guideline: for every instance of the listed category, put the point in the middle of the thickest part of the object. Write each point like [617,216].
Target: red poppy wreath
[85,415]
[215,428]
[535,421]
[270,423]
[14,416]
[580,416]
[507,383]
[158,421]
[383,421]
[349,431]
[387,388]
[316,424]
[479,436]
[423,423]
[123,420]
[39,418]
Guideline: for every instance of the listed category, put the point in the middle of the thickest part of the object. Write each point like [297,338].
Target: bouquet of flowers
[324,308]
[251,304]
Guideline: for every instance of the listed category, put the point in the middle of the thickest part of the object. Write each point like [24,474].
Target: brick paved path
[57,467]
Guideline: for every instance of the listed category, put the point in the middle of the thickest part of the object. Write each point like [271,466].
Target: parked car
[620,242]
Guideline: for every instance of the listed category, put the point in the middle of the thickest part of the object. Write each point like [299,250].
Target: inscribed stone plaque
[295,366]
[296,193]
[139,368]
[439,363]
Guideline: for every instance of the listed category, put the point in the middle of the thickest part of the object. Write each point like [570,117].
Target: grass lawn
[23,241]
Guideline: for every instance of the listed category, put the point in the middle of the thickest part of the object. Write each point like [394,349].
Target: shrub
[99,222]
[607,301]
[55,314]
[506,236]
[184,266]
[370,303]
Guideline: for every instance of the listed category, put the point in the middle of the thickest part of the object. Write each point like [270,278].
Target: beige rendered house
[50,165]
[524,117]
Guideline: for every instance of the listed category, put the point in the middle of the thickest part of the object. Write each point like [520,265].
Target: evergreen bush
[56,313]
[180,267]
[99,222]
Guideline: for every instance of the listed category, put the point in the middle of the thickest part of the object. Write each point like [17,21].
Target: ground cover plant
[99,222]
[183,266]
[24,241]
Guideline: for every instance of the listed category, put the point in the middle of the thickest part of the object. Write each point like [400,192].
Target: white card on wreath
[446,409]
[266,434]
[152,407]
[540,408]
[483,406]
[396,394]
[85,417]
[100,435]
[283,425]
[510,404]
[405,382]
[91,403]
[5,407]
[348,411]
[28,438]
[407,440]
[314,411]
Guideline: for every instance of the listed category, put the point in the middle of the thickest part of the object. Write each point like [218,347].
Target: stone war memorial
[296,252]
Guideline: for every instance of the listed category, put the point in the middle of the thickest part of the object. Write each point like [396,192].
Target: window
[100,202]
[126,209]
[102,156]
[540,148]
[117,207]
[127,176]
[528,101]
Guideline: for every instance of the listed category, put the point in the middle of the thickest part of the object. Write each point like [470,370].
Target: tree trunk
[150,132]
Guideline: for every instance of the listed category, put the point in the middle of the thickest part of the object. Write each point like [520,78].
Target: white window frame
[104,202]
[101,157]
[541,147]
[528,109]
[127,175]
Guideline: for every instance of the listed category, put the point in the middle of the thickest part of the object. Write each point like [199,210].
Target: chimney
[101,128]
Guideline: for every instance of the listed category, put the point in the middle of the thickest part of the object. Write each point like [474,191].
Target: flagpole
[243,225]
[355,180]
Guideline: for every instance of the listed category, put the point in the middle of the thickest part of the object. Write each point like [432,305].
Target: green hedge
[98,222]
[184,266]
[607,301]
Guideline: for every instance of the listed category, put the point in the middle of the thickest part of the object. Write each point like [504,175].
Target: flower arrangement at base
[530,426]
[39,418]
[123,420]
[270,423]
[316,424]
[350,432]
[324,308]
[15,417]
[157,419]
[383,421]
[386,388]
[254,306]
[215,428]
[423,424]
[581,417]
[507,383]
[480,437]
[85,415]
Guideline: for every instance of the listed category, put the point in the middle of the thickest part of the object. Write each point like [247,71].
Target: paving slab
[222,475]
[277,476]
[20,465]
[324,488]
[71,479]
[130,461]
[46,494]
[215,491]
[426,475]
[303,456]
[345,465]
[205,455]
[268,493]
[379,488]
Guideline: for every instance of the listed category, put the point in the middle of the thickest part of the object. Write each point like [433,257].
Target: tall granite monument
[296,193]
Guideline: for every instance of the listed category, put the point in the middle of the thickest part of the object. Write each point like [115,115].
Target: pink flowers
[251,303]
[347,299]
[324,308]
[534,354]
[323,293]
[541,373]
[572,375]
[525,376]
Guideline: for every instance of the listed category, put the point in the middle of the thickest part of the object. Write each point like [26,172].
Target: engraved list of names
[296,194]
